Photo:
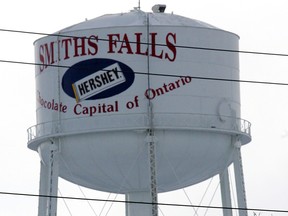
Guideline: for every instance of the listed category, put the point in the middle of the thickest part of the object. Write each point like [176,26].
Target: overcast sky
[262,27]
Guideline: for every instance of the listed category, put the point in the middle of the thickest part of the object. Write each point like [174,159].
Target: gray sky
[261,25]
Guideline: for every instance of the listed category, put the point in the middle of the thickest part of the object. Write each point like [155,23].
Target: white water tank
[102,84]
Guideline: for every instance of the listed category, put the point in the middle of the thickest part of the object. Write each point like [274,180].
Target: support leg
[240,186]
[225,193]
[43,189]
[48,179]
[134,209]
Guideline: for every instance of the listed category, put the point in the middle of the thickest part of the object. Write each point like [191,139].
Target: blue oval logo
[97,79]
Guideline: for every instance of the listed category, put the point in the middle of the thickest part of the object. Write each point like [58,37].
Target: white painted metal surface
[94,83]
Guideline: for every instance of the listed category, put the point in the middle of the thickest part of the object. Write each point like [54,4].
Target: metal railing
[122,122]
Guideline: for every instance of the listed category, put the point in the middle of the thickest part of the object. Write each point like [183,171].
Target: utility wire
[159,74]
[154,74]
[157,44]
[144,203]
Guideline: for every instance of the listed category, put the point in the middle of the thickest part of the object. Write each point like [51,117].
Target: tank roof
[138,18]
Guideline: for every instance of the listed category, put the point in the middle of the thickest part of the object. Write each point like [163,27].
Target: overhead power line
[157,44]
[151,73]
[163,75]
[144,203]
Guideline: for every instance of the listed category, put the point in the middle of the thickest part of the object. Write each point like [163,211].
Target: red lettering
[171,46]
[76,110]
[92,43]
[46,55]
[151,93]
[66,42]
[79,45]
[51,105]
[154,46]
[126,45]
[139,45]
[117,43]
[41,58]
[112,42]
[92,110]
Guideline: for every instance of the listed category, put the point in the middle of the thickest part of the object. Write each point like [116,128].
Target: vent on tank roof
[159,8]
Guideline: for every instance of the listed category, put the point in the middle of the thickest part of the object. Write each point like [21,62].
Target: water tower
[130,103]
